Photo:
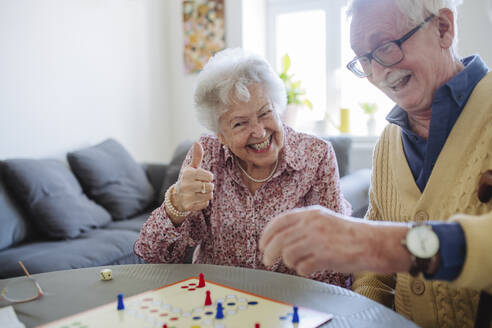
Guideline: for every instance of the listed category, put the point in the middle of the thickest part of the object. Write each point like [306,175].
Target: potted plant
[370,109]
[295,94]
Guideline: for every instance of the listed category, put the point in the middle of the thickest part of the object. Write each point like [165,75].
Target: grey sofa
[354,185]
[81,232]
[72,239]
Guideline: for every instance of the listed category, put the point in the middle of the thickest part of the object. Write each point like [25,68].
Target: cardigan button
[418,287]
[421,216]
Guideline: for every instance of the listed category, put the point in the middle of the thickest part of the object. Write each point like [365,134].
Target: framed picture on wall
[204,32]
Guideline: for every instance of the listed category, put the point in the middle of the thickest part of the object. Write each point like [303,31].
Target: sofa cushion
[342,146]
[156,172]
[355,188]
[110,176]
[135,224]
[14,226]
[174,167]
[97,247]
[52,197]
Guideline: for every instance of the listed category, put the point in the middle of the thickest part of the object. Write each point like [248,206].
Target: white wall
[75,72]
[475,28]
[254,26]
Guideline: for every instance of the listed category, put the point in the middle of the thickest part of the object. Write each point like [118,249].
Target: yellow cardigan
[450,194]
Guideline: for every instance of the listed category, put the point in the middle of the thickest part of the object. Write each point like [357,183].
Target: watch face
[422,242]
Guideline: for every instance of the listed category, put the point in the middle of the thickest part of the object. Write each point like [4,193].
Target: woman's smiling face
[253,130]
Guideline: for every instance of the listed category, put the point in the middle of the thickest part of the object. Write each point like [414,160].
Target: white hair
[225,79]
[416,11]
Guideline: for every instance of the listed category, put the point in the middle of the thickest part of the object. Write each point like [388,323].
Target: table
[72,291]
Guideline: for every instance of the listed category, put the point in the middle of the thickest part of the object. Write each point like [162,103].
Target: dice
[106,274]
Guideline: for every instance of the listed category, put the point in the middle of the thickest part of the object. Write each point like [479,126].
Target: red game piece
[164,326]
[257,325]
[208,299]
[201,282]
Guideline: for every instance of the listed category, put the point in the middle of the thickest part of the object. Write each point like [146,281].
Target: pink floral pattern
[228,230]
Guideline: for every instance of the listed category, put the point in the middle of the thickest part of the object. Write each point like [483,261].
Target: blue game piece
[219,314]
[121,306]
[295,317]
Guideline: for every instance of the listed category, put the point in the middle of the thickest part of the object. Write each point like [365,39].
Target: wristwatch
[423,244]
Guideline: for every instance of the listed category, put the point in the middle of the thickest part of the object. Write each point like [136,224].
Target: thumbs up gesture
[194,189]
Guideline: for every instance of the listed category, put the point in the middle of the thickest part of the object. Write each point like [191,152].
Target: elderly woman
[232,183]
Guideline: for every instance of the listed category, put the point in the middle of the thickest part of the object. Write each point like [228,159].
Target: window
[310,72]
[315,34]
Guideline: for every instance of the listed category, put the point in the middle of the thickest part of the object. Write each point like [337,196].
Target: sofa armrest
[355,189]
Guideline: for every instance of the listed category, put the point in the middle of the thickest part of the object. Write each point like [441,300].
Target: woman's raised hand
[194,189]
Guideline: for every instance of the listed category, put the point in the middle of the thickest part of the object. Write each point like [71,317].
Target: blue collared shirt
[447,105]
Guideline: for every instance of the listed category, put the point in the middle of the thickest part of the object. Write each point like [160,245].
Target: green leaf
[286,62]
[308,104]
[295,93]
[296,84]
[369,108]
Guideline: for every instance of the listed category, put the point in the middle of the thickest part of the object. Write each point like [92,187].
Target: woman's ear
[446,28]
[221,139]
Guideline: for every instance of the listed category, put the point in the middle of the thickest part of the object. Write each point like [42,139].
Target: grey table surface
[72,291]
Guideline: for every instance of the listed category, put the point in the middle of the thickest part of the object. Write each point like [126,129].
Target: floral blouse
[228,230]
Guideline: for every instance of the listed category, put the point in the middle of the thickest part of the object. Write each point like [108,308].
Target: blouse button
[418,287]
[421,216]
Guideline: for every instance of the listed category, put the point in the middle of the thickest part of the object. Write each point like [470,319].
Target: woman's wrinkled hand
[194,189]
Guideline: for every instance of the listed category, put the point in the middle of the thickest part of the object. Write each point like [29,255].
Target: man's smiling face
[412,82]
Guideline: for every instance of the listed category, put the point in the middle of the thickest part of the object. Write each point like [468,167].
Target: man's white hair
[416,11]
[225,79]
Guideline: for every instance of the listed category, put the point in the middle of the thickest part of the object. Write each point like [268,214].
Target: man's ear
[446,28]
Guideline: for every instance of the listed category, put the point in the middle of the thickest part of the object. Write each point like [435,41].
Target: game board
[181,305]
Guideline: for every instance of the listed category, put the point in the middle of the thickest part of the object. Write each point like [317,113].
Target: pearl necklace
[258,180]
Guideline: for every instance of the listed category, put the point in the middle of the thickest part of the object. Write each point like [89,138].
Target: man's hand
[315,238]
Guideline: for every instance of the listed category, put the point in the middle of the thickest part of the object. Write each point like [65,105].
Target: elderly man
[427,167]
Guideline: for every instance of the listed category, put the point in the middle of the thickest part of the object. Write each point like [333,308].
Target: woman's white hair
[225,80]
[416,11]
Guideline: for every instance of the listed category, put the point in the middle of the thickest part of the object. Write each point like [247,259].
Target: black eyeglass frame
[399,42]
